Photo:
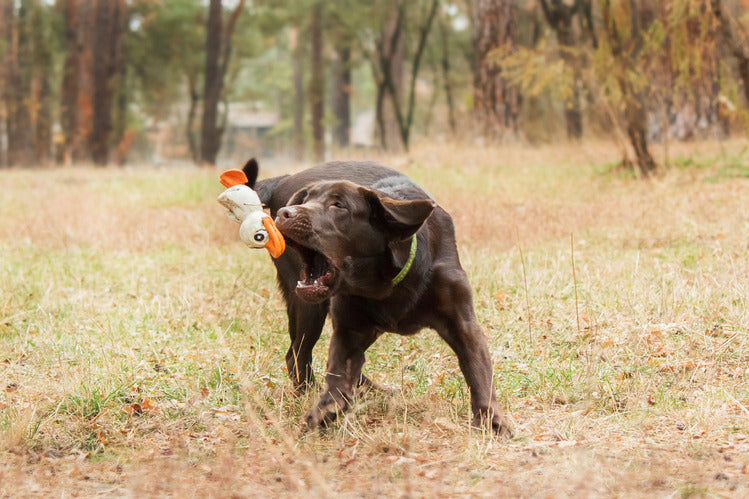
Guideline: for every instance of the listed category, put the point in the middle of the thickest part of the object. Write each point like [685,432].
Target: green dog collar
[411,256]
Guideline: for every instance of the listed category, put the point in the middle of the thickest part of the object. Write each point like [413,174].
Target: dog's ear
[250,170]
[298,197]
[400,219]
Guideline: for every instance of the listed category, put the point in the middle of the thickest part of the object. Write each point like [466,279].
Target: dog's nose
[286,212]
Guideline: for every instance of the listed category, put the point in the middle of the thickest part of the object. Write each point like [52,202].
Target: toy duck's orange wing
[230,178]
[276,243]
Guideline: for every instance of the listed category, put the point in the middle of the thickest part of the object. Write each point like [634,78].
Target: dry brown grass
[141,344]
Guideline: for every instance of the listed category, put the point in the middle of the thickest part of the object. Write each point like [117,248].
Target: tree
[560,16]
[342,95]
[446,74]
[737,40]
[497,102]
[218,48]
[297,61]
[317,82]
[387,66]
[623,26]
[6,36]
[108,64]
[18,81]
[70,78]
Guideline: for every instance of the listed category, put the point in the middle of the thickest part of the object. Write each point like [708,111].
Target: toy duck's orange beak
[230,178]
[276,243]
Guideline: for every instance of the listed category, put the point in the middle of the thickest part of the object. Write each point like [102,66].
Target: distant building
[247,132]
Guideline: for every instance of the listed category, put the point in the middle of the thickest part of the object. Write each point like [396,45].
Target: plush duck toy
[257,229]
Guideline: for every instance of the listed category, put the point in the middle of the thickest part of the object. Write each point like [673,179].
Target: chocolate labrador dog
[373,250]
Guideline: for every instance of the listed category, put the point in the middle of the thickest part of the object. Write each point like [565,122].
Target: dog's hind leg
[460,329]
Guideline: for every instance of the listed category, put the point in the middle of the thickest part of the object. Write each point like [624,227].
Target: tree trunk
[217,55]
[122,138]
[342,97]
[102,98]
[560,17]
[69,91]
[6,37]
[297,61]
[317,84]
[736,39]
[636,118]
[391,57]
[87,40]
[106,58]
[446,78]
[41,98]
[20,149]
[497,102]
[6,18]
[189,132]
[209,136]
[634,110]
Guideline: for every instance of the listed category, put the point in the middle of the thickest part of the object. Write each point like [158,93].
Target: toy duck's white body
[257,229]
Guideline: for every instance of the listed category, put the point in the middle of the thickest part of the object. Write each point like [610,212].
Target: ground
[142,345]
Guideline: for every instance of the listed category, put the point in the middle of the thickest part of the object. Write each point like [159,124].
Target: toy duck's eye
[260,236]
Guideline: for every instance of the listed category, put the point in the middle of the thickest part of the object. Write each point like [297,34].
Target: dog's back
[276,191]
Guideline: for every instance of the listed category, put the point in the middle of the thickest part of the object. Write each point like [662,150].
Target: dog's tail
[265,187]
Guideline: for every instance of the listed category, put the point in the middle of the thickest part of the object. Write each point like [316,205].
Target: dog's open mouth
[318,277]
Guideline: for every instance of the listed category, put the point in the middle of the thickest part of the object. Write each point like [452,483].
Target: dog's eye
[338,204]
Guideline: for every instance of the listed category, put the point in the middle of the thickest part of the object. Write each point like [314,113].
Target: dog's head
[341,230]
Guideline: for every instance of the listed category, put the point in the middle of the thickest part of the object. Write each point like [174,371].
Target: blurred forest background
[206,81]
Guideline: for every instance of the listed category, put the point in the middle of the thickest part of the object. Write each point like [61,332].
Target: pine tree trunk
[102,97]
[107,59]
[446,78]
[317,84]
[87,40]
[497,102]
[636,119]
[6,36]
[297,60]
[20,150]
[635,114]
[342,98]
[560,17]
[189,133]
[120,136]
[69,91]
[393,53]
[209,136]
[737,41]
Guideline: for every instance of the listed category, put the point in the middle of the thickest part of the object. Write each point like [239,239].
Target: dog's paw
[324,412]
[311,421]
[499,424]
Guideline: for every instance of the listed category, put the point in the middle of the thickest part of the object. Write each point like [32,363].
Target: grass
[142,345]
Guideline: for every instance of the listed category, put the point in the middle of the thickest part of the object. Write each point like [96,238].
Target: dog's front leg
[345,361]
[305,325]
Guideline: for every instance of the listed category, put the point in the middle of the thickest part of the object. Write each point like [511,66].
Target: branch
[547,13]
[417,59]
[734,39]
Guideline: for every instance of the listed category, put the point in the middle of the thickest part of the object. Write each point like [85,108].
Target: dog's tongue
[314,290]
